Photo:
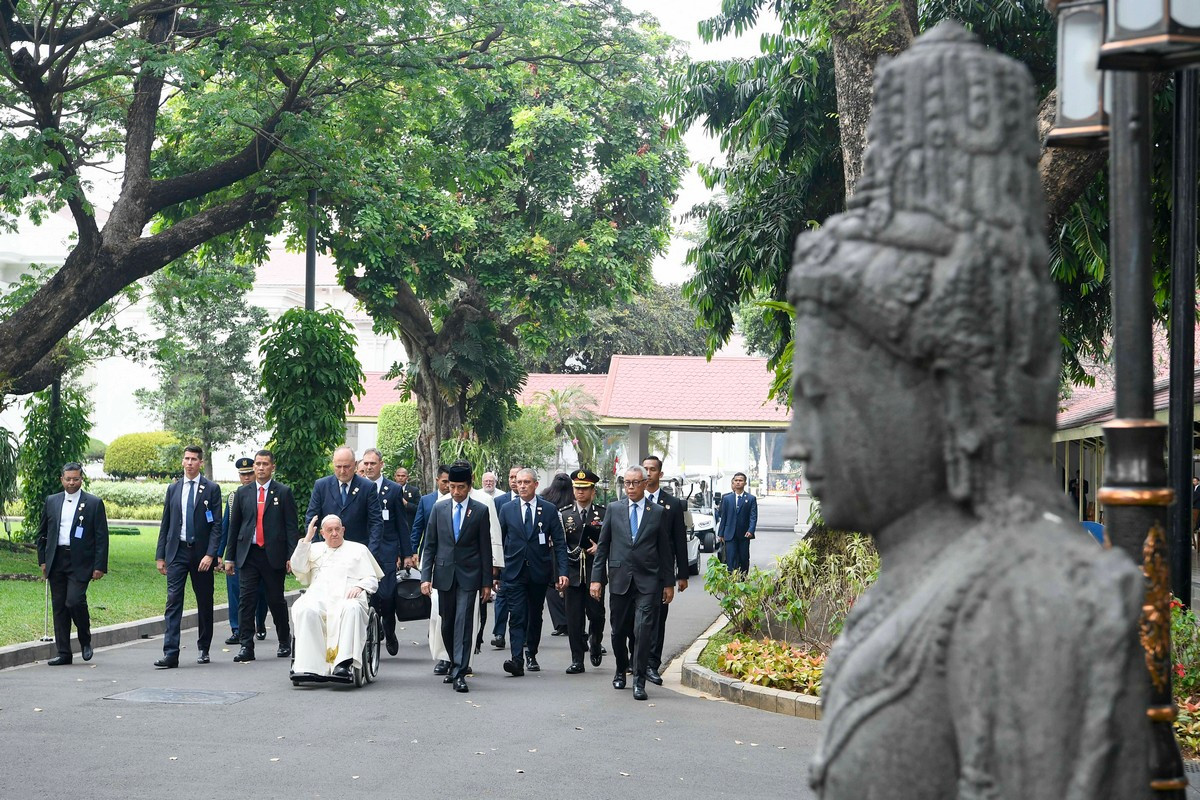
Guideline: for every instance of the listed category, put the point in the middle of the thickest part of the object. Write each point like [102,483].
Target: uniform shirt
[69,507]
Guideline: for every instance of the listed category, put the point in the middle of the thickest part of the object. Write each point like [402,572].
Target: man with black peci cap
[581,525]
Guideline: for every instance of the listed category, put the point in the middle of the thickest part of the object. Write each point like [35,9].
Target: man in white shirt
[330,619]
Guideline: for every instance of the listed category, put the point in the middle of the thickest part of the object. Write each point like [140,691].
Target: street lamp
[1081,118]
[1151,35]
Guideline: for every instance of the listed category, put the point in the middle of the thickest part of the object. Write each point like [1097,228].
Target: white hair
[638,468]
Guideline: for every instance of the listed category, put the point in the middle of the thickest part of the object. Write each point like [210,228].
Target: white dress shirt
[66,521]
[183,513]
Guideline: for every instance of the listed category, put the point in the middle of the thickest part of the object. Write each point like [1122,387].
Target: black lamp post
[1142,36]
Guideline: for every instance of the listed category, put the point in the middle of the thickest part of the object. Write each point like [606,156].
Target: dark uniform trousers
[525,600]
[187,564]
[455,607]
[634,615]
[384,599]
[68,600]
[256,570]
[580,606]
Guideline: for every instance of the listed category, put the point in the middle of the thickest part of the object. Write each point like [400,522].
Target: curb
[15,655]
[705,680]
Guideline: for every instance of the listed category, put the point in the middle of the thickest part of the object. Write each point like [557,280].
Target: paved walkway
[547,735]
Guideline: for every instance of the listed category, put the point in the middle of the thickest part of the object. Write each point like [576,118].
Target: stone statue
[997,656]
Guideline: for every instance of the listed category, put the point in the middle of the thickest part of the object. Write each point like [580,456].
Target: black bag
[721,551]
[410,603]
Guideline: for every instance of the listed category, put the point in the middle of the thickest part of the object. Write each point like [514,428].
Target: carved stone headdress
[941,257]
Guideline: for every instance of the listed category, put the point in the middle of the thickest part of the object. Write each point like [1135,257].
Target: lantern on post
[1081,118]
[1151,35]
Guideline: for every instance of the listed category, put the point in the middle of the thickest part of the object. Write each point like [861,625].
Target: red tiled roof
[1092,406]
[688,389]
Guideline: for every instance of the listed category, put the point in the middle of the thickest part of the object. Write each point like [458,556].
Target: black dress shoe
[511,667]
[596,658]
[167,663]
[560,630]
[59,661]
[498,642]
[460,685]
[342,672]
[448,679]
[243,655]
[86,652]
[284,651]
[531,664]
[261,634]
[619,679]
[233,639]
[653,676]
[603,650]
[393,644]
[203,657]
[441,668]
[575,668]
[639,689]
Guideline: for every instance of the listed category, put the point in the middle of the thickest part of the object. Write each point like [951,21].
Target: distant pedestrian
[737,517]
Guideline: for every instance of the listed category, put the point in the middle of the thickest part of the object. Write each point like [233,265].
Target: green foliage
[207,386]
[156,454]
[129,493]
[396,435]
[96,449]
[657,322]
[1185,682]
[809,595]
[529,440]
[310,376]
[575,423]
[56,433]
[776,664]
[10,451]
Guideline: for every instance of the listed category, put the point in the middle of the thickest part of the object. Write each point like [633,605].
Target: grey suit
[636,570]
[458,568]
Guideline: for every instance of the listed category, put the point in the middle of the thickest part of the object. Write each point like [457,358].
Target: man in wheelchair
[329,620]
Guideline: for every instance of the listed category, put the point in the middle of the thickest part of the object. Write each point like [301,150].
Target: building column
[637,443]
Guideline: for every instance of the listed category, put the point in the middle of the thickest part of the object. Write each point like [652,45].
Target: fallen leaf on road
[37,709]
[173,758]
[520,772]
[754,744]
[652,705]
[578,728]
[780,747]
[353,777]
[624,774]
[274,759]
[735,741]
[479,753]
[414,741]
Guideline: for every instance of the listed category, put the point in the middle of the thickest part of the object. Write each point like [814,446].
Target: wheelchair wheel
[371,652]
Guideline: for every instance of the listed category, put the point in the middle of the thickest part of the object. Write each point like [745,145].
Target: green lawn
[131,590]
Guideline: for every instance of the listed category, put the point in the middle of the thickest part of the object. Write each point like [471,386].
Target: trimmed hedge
[396,436]
[129,493]
[96,450]
[137,455]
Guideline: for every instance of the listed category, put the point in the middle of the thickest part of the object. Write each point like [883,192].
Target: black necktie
[191,512]
[528,520]
[343,494]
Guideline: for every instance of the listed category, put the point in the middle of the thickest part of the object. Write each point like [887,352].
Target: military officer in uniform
[581,524]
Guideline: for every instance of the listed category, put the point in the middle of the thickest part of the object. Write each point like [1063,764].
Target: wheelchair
[360,676]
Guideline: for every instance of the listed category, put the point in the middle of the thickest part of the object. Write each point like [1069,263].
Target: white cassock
[437,647]
[330,627]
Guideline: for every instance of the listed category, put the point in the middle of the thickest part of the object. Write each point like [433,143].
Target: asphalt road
[546,735]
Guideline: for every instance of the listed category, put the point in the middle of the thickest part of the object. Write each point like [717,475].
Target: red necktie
[258,529]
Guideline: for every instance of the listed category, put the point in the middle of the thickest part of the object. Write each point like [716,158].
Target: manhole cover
[183,696]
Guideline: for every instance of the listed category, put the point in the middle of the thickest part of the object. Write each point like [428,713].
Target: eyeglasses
[634,483]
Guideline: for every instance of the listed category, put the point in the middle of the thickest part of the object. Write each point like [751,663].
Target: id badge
[386,515]
[78,531]
[208,516]
[541,538]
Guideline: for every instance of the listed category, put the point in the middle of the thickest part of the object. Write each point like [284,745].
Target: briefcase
[410,603]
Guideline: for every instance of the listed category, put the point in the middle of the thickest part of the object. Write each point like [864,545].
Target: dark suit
[233,586]
[360,514]
[582,530]
[736,516]
[262,564]
[424,509]
[69,568]
[677,528]
[534,557]
[183,559]
[636,570]
[458,569]
[393,544]
[499,601]
[412,496]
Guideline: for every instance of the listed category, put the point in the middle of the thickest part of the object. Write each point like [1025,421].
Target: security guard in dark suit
[581,524]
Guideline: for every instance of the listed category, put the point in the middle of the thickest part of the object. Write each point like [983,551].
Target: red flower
[1179,670]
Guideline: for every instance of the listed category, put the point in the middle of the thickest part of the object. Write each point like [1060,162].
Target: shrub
[55,433]
[775,664]
[143,455]
[95,450]
[1185,682]
[129,493]
[397,435]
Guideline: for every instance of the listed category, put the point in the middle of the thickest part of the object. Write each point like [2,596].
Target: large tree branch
[142,120]
[406,310]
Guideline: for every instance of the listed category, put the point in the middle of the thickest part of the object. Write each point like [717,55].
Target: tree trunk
[862,32]
[439,421]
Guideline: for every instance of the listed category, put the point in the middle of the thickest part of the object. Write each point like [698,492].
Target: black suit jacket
[89,553]
[546,561]
[280,527]
[206,519]
[393,539]
[466,563]
[360,516]
[676,530]
[582,529]
[412,497]
[645,565]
